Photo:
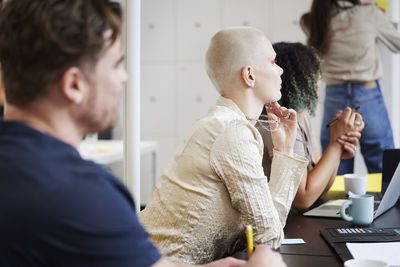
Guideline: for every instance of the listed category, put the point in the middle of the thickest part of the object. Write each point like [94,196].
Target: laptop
[390,197]
[390,160]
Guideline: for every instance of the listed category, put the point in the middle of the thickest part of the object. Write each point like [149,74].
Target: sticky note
[383,4]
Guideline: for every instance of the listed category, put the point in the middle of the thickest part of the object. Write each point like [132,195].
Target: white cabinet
[284,17]
[158,99]
[166,147]
[158,30]
[252,13]
[196,22]
[195,96]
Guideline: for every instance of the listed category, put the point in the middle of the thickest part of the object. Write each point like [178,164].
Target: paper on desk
[387,252]
[293,241]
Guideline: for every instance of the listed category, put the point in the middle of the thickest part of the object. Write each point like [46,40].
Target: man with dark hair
[62,72]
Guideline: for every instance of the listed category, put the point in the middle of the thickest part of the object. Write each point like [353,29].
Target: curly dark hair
[301,71]
[41,39]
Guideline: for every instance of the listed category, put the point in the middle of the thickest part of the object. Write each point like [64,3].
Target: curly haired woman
[300,82]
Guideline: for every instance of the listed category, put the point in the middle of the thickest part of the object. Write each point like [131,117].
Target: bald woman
[215,184]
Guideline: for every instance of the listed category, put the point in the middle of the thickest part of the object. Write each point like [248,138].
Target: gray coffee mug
[361,209]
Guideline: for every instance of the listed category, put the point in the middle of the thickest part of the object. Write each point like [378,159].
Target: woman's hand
[283,134]
[348,121]
[264,256]
[349,125]
[359,123]
[350,144]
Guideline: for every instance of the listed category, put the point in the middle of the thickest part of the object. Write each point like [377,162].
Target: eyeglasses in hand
[266,124]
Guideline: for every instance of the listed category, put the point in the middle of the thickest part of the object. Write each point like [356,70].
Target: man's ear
[248,76]
[74,85]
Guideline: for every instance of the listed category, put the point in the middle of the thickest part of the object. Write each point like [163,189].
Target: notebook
[390,197]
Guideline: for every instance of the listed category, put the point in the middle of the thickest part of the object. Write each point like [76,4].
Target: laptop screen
[391,195]
[390,160]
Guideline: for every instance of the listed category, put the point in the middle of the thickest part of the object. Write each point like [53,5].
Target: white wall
[391,80]
[175,88]
[175,34]
[390,86]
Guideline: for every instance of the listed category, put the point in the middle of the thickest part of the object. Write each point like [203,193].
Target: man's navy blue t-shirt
[57,209]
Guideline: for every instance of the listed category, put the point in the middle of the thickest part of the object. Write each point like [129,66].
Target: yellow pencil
[249,235]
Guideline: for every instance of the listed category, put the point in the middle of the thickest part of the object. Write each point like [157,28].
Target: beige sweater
[215,184]
[353,55]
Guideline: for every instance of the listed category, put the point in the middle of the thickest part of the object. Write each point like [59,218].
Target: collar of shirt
[226,102]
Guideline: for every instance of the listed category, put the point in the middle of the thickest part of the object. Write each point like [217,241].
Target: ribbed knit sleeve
[286,174]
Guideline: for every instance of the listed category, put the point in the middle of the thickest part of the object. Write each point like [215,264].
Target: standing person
[215,184]
[300,84]
[63,75]
[345,34]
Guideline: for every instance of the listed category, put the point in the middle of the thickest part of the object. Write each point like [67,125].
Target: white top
[353,55]
[215,186]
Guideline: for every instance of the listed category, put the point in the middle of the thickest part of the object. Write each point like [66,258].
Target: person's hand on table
[266,257]
[228,262]
[262,256]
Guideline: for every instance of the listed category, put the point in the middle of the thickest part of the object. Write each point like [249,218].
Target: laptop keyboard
[327,207]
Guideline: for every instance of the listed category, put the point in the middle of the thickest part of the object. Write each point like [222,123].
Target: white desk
[151,147]
[110,151]
[102,151]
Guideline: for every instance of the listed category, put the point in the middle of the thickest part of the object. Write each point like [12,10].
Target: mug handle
[343,211]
